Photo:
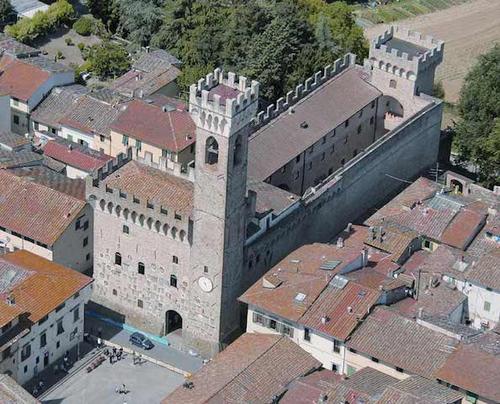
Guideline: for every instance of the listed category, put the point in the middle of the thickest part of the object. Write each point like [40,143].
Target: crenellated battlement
[110,167]
[304,89]
[204,96]
[386,55]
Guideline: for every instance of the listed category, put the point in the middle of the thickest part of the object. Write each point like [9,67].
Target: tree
[108,59]
[477,131]
[139,20]
[84,25]
[6,11]
[28,29]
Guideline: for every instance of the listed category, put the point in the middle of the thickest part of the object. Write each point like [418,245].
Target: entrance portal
[173,321]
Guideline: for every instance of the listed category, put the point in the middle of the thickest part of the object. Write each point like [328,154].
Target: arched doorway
[173,321]
[457,187]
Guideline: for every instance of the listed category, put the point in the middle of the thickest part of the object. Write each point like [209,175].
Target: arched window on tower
[211,151]
[237,151]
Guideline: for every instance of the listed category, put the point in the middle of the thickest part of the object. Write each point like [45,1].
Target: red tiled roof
[486,272]
[474,368]
[401,342]
[34,210]
[153,185]
[419,191]
[172,130]
[20,80]
[463,228]
[75,157]
[31,293]
[343,309]
[254,368]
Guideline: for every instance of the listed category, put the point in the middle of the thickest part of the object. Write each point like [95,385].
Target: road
[160,352]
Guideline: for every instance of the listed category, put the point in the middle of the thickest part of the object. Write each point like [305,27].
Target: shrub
[59,54]
[81,46]
[108,59]
[84,26]
[68,41]
[28,29]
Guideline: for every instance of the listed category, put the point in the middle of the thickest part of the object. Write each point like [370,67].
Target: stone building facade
[175,249]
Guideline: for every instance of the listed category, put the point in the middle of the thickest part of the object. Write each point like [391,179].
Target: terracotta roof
[149,82]
[34,210]
[57,104]
[307,389]
[172,129]
[300,273]
[401,342]
[486,272]
[42,175]
[364,386]
[75,155]
[13,140]
[392,239]
[91,114]
[416,389]
[343,308]
[475,367]
[254,368]
[19,79]
[278,142]
[30,293]
[153,185]
[463,228]
[418,191]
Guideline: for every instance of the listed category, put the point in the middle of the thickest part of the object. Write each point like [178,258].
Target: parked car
[140,340]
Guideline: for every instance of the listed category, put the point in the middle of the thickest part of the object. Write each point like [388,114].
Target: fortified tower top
[402,48]
[222,103]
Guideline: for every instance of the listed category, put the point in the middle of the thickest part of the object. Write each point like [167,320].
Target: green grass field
[401,9]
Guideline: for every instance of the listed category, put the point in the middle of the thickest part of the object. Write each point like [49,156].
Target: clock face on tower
[205,284]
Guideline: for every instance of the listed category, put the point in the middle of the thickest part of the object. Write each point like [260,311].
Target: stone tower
[403,63]
[222,108]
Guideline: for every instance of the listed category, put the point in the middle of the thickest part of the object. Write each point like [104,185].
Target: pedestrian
[40,385]
[35,391]
[124,389]
[110,359]
[114,351]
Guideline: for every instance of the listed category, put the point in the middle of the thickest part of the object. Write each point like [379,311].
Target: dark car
[140,340]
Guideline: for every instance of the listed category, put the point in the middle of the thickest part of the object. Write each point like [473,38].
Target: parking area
[146,382]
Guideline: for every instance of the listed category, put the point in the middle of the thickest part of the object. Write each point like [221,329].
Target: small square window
[372,120]
[118,258]
[359,129]
[58,344]
[205,269]
[175,259]
[297,159]
[140,303]
[102,138]
[125,140]
[346,123]
[178,217]
[25,368]
[374,359]
[487,306]
[115,292]
[332,149]
[16,120]
[323,140]
[85,241]
[336,346]
[125,229]
[87,257]
[400,370]
[393,83]
[373,104]
[335,368]
[272,324]
[141,269]
[86,225]
[307,334]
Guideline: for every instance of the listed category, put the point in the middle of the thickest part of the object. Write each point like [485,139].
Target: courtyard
[146,382]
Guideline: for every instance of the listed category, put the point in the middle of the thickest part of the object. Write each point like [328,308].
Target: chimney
[373,232]
[349,309]
[420,312]
[381,234]
[340,242]
[11,300]
[324,320]
[70,147]
[364,255]
[348,228]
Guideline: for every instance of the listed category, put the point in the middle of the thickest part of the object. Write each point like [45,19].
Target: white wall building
[39,327]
